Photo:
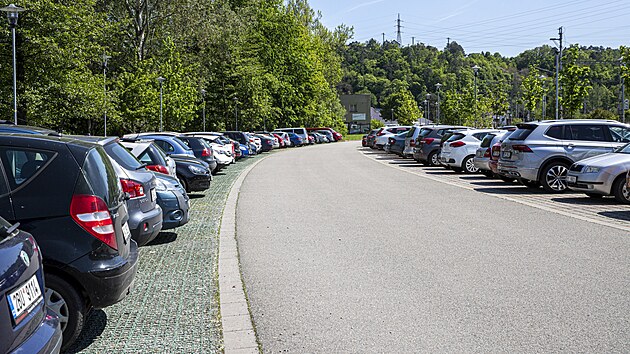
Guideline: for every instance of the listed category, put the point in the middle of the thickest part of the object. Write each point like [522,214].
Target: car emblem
[25,258]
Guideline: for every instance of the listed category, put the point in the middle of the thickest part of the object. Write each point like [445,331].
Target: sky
[505,26]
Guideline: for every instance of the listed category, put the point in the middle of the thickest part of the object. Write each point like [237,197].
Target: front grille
[576,168]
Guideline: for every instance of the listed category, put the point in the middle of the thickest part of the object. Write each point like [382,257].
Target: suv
[65,192]
[541,152]
[301,132]
[427,144]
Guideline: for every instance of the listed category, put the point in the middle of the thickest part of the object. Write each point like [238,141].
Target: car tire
[594,195]
[554,177]
[432,159]
[183,183]
[65,301]
[620,190]
[468,165]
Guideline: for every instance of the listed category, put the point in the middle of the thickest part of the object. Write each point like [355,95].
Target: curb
[238,331]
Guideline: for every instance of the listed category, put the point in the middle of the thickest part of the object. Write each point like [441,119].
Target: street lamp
[428,102]
[161,81]
[476,70]
[105,59]
[544,96]
[392,114]
[623,91]
[438,86]
[235,111]
[203,108]
[426,112]
[12,14]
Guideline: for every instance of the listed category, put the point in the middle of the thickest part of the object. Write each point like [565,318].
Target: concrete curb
[238,331]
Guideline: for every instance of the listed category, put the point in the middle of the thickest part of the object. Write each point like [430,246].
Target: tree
[532,90]
[574,80]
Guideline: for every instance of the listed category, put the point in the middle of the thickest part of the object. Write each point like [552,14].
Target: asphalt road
[343,254]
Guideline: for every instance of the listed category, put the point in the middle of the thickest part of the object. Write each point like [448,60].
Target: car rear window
[123,156]
[521,133]
[99,178]
[424,132]
[487,140]
[455,137]
[182,144]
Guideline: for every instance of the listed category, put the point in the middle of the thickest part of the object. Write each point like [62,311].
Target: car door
[582,141]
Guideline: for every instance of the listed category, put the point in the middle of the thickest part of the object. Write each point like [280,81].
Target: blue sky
[508,27]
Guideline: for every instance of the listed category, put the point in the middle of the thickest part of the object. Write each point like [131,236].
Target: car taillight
[91,213]
[132,187]
[206,152]
[521,148]
[427,141]
[158,168]
[457,143]
[487,153]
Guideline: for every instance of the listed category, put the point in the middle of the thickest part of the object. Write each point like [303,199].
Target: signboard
[358,116]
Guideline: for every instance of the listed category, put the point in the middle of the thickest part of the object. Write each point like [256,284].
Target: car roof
[26,129]
[101,140]
[48,138]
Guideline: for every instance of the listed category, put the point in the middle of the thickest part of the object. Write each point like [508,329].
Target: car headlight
[591,169]
[160,186]
[197,170]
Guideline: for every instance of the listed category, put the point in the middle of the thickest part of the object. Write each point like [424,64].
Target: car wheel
[554,177]
[183,183]
[66,302]
[620,190]
[432,159]
[594,195]
[468,165]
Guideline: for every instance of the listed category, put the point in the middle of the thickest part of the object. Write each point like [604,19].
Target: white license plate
[126,232]
[571,179]
[506,154]
[153,195]
[22,301]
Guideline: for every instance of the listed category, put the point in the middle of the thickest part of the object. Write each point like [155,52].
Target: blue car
[296,140]
[174,201]
[27,325]
[171,145]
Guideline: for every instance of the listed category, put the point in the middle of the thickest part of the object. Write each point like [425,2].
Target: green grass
[353,136]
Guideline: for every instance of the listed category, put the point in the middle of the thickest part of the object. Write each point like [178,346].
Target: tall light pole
[623,91]
[438,86]
[544,96]
[426,111]
[12,14]
[428,101]
[161,81]
[392,114]
[558,69]
[236,111]
[476,70]
[203,108]
[105,59]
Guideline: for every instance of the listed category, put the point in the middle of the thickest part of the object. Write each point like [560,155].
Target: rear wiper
[141,166]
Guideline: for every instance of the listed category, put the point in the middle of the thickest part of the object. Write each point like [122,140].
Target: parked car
[266,141]
[410,140]
[145,215]
[301,132]
[494,158]
[318,138]
[174,201]
[387,132]
[202,150]
[223,147]
[540,153]
[281,141]
[93,262]
[428,143]
[397,144]
[193,174]
[602,175]
[285,137]
[296,140]
[459,150]
[336,136]
[170,144]
[329,135]
[371,137]
[148,153]
[27,324]
[484,152]
[9,127]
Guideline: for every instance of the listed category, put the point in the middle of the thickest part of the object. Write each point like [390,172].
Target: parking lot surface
[343,254]
[174,305]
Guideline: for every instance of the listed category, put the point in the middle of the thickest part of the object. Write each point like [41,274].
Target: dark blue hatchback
[26,324]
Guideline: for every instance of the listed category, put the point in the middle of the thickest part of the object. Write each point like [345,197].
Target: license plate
[126,232]
[153,195]
[571,179]
[24,299]
[506,154]
[496,153]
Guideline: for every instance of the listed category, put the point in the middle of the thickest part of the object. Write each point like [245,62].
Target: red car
[336,135]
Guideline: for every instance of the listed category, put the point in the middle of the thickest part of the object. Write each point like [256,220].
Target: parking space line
[554,207]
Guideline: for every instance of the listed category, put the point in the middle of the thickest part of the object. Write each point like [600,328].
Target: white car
[384,134]
[285,137]
[459,150]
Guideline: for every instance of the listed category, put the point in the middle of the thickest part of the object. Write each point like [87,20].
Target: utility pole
[448,41]
[413,40]
[558,69]
[623,91]
[398,35]
[383,37]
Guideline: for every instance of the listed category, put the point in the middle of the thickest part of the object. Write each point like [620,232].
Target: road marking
[621,226]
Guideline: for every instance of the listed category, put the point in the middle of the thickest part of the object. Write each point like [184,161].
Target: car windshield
[623,149]
[521,133]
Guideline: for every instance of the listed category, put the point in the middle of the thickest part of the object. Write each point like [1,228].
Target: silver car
[602,175]
[540,153]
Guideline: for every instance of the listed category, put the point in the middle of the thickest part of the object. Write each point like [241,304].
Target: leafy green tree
[574,80]
[532,90]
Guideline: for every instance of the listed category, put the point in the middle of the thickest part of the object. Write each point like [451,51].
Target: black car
[202,151]
[27,325]
[193,174]
[266,141]
[65,192]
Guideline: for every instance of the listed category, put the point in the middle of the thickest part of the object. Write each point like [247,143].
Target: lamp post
[623,91]
[392,114]
[161,81]
[426,112]
[235,112]
[12,14]
[438,86]
[544,96]
[105,59]
[428,101]
[476,70]
[203,108]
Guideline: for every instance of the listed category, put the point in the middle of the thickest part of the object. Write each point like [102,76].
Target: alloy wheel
[556,178]
[58,305]
[434,159]
[469,166]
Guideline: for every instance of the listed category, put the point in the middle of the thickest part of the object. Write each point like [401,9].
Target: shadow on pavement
[510,190]
[619,215]
[584,200]
[494,184]
[163,238]
[92,330]
[443,172]
[196,196]
[411,164]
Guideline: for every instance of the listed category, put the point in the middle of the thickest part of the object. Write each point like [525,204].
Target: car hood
[606,160]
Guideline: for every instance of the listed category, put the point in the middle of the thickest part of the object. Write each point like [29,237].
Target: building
[358,112]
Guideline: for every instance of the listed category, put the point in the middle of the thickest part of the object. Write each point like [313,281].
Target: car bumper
[482,163]
[46,338]
[508,169]
[590,183]
[174,209]
[199,183]
[145,225]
